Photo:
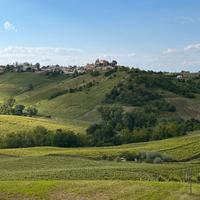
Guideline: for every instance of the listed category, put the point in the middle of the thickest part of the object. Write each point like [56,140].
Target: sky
[160,35]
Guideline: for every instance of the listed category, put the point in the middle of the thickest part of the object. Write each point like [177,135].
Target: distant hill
[76,98]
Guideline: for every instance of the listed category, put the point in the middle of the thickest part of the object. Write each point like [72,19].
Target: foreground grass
[101,190]
[74,168]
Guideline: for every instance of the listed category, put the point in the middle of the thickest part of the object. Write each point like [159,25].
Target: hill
[81,105]
[145,170]
[78,105]
[146,103]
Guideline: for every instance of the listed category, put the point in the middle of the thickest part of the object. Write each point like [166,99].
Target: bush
[65,139]
[95,73]
[157,160]
[31,111]
[129,156]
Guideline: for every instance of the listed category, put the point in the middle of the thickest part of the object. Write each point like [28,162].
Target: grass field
[80,173]
[44,163]
[181,148]
[9,124]
[96,190]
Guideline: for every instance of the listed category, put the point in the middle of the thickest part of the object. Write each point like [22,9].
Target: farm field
[180,148]
[51,163]
[96,190]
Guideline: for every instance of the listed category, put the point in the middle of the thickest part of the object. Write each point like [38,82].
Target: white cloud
[170,50]
[18,50]
[8,26]
[45,55]
[192,47]
[116,56]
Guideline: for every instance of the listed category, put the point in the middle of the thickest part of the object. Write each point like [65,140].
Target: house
[106,68]
[81,70]
[180,76]
[67,70]
[2,69]
[90,67]
[101,63]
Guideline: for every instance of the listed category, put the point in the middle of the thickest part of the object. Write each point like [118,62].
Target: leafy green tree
[31,111]
[65,139]
[18,109]
[7,107]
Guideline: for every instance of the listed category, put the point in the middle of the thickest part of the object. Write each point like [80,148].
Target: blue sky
[150,34]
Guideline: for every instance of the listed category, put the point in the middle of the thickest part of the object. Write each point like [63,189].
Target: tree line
[40,136]
[118,127]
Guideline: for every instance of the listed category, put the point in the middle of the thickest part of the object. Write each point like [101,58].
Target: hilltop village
[98,65]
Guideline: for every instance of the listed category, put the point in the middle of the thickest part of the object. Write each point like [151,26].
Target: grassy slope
[76,106]
[79,105]
[10,124]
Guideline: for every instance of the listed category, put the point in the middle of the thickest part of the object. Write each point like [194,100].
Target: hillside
[10,124]
[112,172]
[80,105]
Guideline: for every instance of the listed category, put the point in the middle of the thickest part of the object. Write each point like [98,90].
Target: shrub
[65,139]
[95,73]
[157,160]
[129,156]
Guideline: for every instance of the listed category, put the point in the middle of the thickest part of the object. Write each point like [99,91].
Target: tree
[18,110]
[37,65]
[7,107]
[114,63]
[30,87]
[31,111]
[41,136]
[65,139]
